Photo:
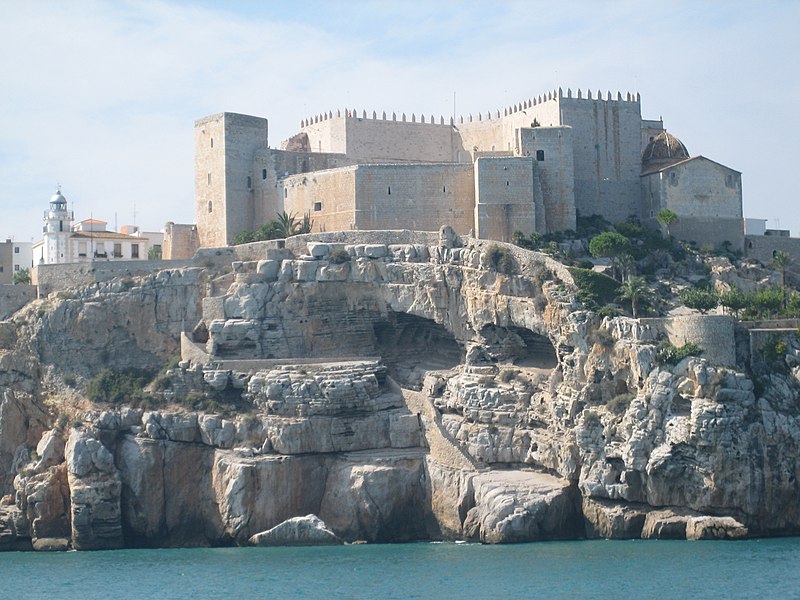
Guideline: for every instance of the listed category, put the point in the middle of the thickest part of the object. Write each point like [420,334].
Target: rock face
[297,531]
[410,392]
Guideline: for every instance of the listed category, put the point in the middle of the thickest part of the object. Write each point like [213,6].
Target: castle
[531,167]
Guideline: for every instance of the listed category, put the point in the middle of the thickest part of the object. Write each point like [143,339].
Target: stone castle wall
[715,334]
[552,150]
[53,277]
[392,196]
[764,247]
[181,241]
[607,155]
[225,146]
[504,190]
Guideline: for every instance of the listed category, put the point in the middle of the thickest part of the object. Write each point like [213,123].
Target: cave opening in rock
[520,346]
[410,345]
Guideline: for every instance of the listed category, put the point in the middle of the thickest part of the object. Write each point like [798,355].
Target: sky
[101,97]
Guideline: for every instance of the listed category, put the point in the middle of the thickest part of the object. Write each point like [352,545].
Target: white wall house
[87,241]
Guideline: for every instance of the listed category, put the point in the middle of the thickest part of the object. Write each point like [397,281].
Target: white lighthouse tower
[57,231]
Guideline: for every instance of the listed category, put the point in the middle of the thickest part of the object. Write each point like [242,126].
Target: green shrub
[585,264]
[594,287]
[619,404]
[608,311]
[668,354]
[700,298]
[118,387]
[338,256]
[69,380]
[499,259]
[591,418]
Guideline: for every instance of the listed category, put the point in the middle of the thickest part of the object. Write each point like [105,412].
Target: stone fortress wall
[585,149]
[53,277]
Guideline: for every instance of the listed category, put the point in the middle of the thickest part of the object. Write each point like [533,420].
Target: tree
[627,266]
[287,225]
[21,276]
[154,252]
[734,300]
[667,217]
[635,290]
[610,245]
[781,260]
[702,299]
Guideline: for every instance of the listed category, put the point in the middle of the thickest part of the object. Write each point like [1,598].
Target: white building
[86,241]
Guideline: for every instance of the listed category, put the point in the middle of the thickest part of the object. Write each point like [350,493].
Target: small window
[249,182]
[16,267]
[117,250]
[134,250]
[209,179]
[285,193]
[16,249]
[210,206]
[212,142]
[1,268]
[317,206]
[390,190]
[444,189]
[263,174]
[540,155]
[507,183]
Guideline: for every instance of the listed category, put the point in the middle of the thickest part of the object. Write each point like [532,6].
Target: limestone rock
[297,531]
[519,506]
[613,520]
[715,528]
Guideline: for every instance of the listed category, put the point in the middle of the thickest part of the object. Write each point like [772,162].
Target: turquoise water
[589,569]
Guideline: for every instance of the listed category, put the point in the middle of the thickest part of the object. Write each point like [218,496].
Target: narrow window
[210,206]
[540,155]
[390,190]
[209,178]
[317,206]
[249,182]
[263,173]
[16,249]
[134,251]
[444,189]
[212,142]
[117,250]
[285,193]
[506,183]
[16,267]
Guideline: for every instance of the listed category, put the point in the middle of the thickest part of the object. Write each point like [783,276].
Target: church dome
[664,147]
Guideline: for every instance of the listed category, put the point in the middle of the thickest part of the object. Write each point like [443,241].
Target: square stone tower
[225,147]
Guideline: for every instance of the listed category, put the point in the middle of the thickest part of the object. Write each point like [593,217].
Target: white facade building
[86,241]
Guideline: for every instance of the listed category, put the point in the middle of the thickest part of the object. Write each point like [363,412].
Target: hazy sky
[101,97]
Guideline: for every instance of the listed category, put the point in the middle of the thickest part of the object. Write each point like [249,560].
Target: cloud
[102,96]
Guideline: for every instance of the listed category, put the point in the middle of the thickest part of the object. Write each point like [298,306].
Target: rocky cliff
[395,385]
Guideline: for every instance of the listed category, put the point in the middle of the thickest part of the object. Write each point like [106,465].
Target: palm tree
[635,290]
[286,225]
[781,260]
[627,266]
[667,217]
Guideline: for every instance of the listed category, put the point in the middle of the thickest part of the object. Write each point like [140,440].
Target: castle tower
[225,147]
[57,230]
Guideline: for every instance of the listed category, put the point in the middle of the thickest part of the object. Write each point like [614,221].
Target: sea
[766,568]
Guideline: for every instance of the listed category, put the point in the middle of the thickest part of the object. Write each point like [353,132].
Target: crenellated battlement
[551,96]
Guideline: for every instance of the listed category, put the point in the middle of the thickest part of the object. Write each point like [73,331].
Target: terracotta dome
[664,147]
